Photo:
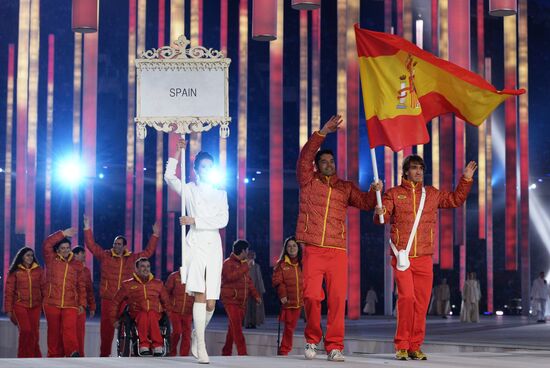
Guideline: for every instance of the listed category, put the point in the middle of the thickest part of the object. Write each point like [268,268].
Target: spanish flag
[404,87]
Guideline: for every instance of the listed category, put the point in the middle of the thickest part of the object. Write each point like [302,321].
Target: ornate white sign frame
[182,57]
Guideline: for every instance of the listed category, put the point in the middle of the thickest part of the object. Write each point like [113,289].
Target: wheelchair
[128,338]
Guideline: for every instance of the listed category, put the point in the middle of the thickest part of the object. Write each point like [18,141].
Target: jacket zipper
[326,212]
[297,287]
[64,282]
[30,288]
[414,209]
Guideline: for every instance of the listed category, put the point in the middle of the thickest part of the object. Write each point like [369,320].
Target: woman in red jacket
[23,299]
[287,280]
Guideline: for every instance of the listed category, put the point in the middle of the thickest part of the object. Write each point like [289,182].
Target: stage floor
[471,360]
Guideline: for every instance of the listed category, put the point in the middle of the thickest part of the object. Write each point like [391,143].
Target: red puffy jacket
[401,204]
[23,287]
[287,279]
[141,296]
[324,201]
[65,286]
[180,301]
[115,268]
[237,285]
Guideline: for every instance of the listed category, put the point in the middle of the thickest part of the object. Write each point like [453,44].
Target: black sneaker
[75,354]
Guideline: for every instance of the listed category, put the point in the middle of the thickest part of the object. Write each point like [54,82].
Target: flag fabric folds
[404,87]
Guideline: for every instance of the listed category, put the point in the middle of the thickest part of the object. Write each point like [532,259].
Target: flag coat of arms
[404,87]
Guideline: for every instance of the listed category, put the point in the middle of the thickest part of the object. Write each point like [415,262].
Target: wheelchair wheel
[124,338]
[165,331]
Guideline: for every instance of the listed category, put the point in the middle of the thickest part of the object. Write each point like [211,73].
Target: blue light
[70,171]
[246,181]
[101,176]
[216,177]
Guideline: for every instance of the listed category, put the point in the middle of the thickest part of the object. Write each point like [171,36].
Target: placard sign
[182,89]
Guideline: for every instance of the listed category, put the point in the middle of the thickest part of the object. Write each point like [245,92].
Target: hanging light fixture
[85,16]
[306,4]
[264,20]
[503,8]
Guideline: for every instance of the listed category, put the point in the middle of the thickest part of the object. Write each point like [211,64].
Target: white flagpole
[182,165]
[376,180]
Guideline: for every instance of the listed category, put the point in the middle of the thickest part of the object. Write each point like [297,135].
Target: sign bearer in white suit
[202,256]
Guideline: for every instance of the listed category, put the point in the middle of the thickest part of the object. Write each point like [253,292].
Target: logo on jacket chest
[401,197]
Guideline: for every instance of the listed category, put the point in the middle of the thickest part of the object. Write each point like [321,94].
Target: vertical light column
[77,95]
[34,49]
[341,88]
[482,172]
[459,53]
[195,139]
[242,119]
[489,207]
[159,162]
[419,34]
[303,132]
[223,141]
[276,153]
[177,28]
[22,100]
[89,125]
[140,143]
[9,161]
[49,137]
[388,183]
[523,69]
[130,132]
[446,140]
[354,218]
[315,70]
[510,116]
[435,128]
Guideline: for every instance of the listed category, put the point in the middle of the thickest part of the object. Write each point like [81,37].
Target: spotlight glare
[70,171]
[246,181]
[533,186]
[1,170]
[216,177]
[101,176]
[499,313]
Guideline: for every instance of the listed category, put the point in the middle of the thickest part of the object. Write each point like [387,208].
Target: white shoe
[310,351]
[203,355]
[144,351]
[335,355]
[194,347]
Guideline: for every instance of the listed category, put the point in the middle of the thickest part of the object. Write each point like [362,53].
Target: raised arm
[458,197]
[170,173]
[53,239]
[152,244]
[89,241]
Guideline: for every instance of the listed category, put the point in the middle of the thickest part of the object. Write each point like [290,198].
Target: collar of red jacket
[291,261]
[236,258]
[33,266]
[68,259]
[138,279]
[409,184]
[126,253]
[329,180]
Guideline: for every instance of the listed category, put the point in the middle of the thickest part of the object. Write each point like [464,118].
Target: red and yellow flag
[404,87]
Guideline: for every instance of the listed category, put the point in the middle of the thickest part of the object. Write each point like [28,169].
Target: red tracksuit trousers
[181,328]
[148,328]
[414,286]
[28,322]
[62,340]
[290,318]
[235,330]
[106,328]
[81,332]
[331,265]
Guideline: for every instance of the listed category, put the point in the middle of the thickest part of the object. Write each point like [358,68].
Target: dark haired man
[147,299]
[321,227]
[117,265]
[80,256]
[412,247]
[237,287]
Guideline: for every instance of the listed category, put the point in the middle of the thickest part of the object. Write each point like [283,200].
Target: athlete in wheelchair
[143,326]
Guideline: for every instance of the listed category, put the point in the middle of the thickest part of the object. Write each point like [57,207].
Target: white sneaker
[194,347]
[335,355]
[144,351]
[158,351]
[310,351]
[203,355]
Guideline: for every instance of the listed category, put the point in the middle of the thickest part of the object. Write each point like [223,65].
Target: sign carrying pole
[182,90]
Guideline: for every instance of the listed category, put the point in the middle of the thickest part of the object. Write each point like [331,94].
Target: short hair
[410,160]
[124,241]
[78,250]
[320,153]
[239,245]
[140,260]
[62,241]
[202,155]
